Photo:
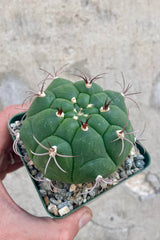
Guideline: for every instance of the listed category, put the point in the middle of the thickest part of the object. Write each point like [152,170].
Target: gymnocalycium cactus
[75,132]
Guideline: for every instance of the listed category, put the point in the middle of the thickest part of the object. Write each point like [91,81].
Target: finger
[15,161]
[9,162]
[74,222]
[10,169]
[13,167]
[15,109]
[12,110]
[51,229]
[28,226]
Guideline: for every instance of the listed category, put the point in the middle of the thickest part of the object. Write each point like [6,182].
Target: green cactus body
[70,118]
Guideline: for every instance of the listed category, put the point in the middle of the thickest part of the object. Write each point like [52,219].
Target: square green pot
[143,152]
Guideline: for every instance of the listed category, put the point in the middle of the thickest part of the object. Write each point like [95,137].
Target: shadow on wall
[12,89]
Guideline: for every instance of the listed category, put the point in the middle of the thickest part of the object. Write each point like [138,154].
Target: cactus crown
[77,131]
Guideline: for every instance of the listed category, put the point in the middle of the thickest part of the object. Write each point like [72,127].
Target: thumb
[74,222]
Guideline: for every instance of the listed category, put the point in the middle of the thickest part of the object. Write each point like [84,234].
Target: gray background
[92,35]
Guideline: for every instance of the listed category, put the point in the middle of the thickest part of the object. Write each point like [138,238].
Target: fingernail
[86,217]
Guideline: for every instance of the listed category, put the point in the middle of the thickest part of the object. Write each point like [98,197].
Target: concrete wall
[92,35]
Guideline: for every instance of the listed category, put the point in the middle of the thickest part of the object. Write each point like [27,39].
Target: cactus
[74,132]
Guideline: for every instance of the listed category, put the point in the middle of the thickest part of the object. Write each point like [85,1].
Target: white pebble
[64,210]
[52,208]
[30,163]
[72,188]
[17,123]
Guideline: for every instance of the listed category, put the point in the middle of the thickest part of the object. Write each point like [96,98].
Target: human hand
[17,224]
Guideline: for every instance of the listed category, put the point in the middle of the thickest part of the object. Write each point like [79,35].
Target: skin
[16,223]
